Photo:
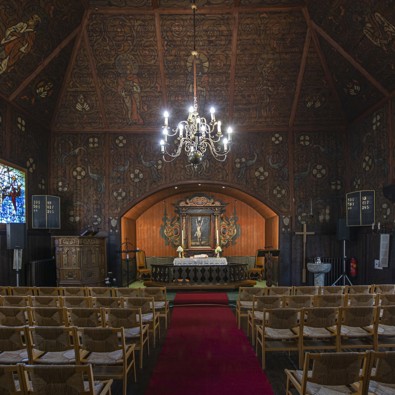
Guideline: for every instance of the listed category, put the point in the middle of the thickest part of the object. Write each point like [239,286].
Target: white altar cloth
[200,261]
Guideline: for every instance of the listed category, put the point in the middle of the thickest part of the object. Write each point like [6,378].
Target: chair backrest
[386,315]
[358,289]
[22,291]
[74,291]
[77,301]
[124,318]
[384,288]
[100,291]
[49,316]
[267,302]
[48,291]
[158,293]
[15,300]
[45,301]
[146,304]
[102,339]
[382,368]
[107,301]
[85,317]
[14,316]
[127,292]
[260,259]
[282,318]
[306,290]
[141,262]
[278,290]
[11,380]
[352,299]
[335,368]
[357,316]
[297,301]
[247,293]
[332,290]
[61,380]
[386,299]
[320,317]
[13,338]
[328,300]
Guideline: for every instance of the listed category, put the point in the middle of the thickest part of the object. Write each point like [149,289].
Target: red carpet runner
[205,354]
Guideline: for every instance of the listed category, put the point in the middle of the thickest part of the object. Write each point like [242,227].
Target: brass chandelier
[195,135]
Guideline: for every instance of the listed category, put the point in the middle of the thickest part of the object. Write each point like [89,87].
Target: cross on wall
[304,233]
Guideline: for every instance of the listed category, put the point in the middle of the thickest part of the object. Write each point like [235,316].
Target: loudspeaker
[389,192]
[15,236]
[343,231]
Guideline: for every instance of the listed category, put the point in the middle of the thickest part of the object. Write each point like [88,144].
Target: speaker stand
[343,277]
[17,264]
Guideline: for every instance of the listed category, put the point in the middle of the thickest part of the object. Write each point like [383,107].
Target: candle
[182,237]
[217,237]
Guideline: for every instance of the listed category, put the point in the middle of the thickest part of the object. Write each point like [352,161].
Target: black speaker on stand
[16,234]
[343,234]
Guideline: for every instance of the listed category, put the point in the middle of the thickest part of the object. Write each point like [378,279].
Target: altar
[199,271]
[199,261]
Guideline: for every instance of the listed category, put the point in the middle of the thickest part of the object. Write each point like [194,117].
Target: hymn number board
[45,212]
[360,208]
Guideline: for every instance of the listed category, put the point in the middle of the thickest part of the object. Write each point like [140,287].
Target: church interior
[106,184]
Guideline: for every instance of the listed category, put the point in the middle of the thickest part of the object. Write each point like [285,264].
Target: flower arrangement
[218,250]
[180,251]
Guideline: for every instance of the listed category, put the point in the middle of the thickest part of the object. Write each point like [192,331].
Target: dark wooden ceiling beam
[350,59]
[299,81]
[44,64]
[70,66]
[324,64]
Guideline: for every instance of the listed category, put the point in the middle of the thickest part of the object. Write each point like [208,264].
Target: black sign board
[45,212]
[360,208]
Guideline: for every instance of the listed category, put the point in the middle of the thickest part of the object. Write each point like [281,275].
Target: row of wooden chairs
[345,372]
[161,306]
[83,291]
[50,379]
[300,301]
[322,329]
[244,308]
[105,349]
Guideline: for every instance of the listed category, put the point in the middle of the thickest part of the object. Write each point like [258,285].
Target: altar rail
[198,274]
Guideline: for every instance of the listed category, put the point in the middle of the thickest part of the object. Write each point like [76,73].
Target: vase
[180,254]
[218,255]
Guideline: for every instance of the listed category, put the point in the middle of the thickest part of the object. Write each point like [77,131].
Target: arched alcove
[258,223]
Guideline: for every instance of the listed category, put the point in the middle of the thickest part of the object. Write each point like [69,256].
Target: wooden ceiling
[270,65]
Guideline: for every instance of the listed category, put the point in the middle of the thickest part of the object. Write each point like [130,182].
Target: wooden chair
[15,316]
[257,272]
[332,290]
[245,300]
[11,380]
[5,290]
[106,350]
[162,305]
[52,345]
[331,372]
[63,380]
[107,301]
[143,273]
[130,319]
[279,332]
[255,315]
[13,346]
[318,330]
[149,314]
[385,328]
[381,374]
[49,316]
[356,328]
[328,300]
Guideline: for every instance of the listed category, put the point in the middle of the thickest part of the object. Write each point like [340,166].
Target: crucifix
[305,233]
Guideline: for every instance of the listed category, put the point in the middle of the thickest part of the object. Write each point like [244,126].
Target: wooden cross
[305,233]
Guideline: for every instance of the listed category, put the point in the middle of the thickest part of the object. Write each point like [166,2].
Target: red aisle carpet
[205,354]
[200,298]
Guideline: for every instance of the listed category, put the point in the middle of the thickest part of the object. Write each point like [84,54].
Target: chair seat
[310,331]
[14,357]
[380,388]
[279,333]
[315,389]
[351,331]
[132,332]
[104,358]
[386,330]
[57,358]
